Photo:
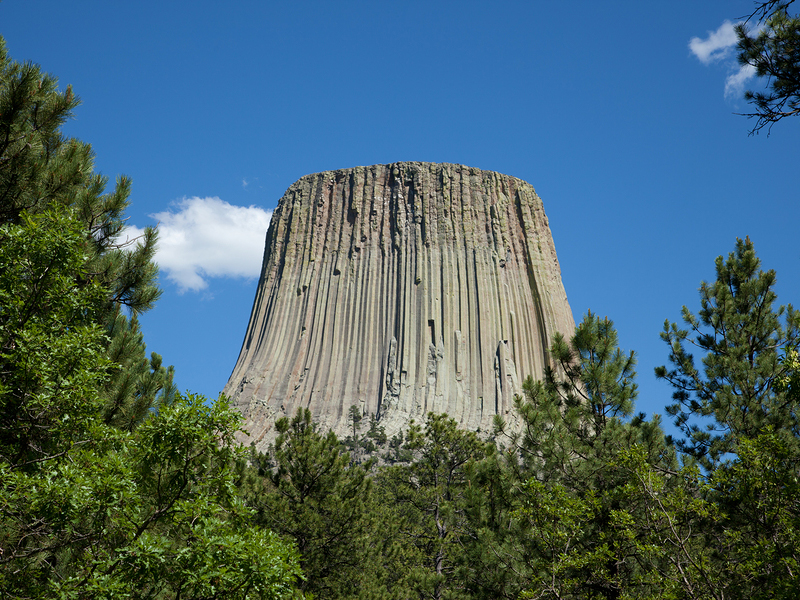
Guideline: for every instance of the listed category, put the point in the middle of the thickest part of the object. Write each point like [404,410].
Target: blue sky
[623,124]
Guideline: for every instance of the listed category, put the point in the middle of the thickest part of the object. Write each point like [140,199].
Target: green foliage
[557,560]
[665,518]
[316,499]
[355,417]
[41,171]
[570,529]
[397,452]
[112,485]
[789,382]
[51,358]
[92,506]
[85,509]
[135,385]
[152,514]
[597,375]
[746,514]
[731,535]
[429,499]
[774,51]
[759,497]
[741,334]
[376,432]
[574,420]
[37,164]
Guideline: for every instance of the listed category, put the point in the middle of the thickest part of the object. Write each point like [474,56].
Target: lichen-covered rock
[402,289]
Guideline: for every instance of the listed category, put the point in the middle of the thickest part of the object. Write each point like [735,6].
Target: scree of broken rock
[400,289]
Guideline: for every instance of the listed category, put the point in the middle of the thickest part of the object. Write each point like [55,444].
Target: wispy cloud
[736,82]
[719,47]
[208,237]
[246,183]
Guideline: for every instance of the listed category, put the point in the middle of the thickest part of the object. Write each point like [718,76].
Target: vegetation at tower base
[588,500]
[429,496]
[569,500]
[111,485]
[772,49]
[308,491]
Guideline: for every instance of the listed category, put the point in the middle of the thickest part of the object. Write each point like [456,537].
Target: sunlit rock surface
[402,289]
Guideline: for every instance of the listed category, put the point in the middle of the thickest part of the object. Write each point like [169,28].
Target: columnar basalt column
[401,289]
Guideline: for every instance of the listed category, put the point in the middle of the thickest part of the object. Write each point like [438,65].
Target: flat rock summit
[401,289]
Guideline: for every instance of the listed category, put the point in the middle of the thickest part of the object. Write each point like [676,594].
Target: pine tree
[739,528]
[428,497]
[308,491]
[581,414]
[741,335]
[135,385]
[573,525]
[773,49]
[41,170]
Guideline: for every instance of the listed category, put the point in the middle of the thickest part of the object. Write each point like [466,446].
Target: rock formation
[402,289]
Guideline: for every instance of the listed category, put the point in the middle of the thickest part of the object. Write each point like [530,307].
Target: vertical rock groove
[401,289]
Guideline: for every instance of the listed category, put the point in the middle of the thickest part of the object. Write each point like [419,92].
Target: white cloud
[717,46]
[207,237]
[735,83]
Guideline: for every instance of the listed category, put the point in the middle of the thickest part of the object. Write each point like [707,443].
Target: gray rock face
[402,289]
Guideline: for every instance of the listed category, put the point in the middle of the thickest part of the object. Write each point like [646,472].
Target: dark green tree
[489,564]
[734,529]
[355,417]
[136,385]
[773,49]
[741,335]
[88,510]
[51,359]
[673,529]
[41,170]
[308,491]
[581,414]
[571,527]
[429,499]
[757,497]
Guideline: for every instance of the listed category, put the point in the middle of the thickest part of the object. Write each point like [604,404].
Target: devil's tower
[402,289]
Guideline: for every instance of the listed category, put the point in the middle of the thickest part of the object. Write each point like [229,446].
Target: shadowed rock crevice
[401,289]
